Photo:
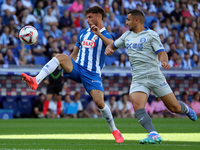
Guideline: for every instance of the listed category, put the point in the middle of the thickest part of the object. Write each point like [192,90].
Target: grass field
[94,134]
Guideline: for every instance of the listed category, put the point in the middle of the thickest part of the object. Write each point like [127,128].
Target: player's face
[92,19]
[130,22]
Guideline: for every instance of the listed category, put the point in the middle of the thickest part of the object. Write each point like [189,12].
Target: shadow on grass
[92,145]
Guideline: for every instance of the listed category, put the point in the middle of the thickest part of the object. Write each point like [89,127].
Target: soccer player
[144,49]
[85,64]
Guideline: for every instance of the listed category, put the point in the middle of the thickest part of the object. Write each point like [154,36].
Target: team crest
[142,40]
[96,37]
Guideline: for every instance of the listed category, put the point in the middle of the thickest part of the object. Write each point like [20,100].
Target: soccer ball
[28,35]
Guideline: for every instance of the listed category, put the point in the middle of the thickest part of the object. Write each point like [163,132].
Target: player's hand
[165,65]
[109,51]
[95,29]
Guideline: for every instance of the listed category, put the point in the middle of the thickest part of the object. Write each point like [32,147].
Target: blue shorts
[90,80]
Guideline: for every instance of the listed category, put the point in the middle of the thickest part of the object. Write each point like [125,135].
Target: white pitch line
[188,137]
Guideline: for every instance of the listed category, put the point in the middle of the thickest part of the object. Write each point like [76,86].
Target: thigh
[75,73]
[58,89]
[138,100]
[65,62]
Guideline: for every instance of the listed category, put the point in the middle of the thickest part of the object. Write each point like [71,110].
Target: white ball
[28,35]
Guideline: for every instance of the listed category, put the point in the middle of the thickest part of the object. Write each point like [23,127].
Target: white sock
[106,113]
[153,132]
[47,69]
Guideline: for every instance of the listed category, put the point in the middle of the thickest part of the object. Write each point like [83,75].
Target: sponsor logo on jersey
[136,46]
[142,40]
[163,84]
[88,44]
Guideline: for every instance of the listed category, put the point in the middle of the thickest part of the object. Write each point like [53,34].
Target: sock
[47,69]
[184,108]
[45,107]
[106,113]
[145,120]
[59,105]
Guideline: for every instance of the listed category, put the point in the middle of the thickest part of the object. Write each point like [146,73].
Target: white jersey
[142,51]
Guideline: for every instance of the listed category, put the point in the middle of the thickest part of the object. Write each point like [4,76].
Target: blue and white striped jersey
[91,50]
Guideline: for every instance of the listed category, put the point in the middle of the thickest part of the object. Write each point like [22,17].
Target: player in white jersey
[89,56]
[144,49]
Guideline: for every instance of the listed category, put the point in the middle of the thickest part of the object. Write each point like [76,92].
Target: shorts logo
[88,44]
[97,82]
[163,84]
[142,40]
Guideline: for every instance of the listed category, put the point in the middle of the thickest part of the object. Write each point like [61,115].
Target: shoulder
[152,33]
[83,31]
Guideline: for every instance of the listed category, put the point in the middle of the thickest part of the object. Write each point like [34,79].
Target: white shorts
[157,84]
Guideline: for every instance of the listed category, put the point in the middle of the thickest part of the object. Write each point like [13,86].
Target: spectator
[178,63]
[195,104]
[173,58]
[163,29]
[144,6]
[122,62]
[19,10]
[196,12]
[48,46]
[12,25]
[1,59]
[169,41]
[8,5]
[38,11]
[187,63]
[49,20]
[168,7]
[93,110]
[152,9]
[114,23]
[109,29]
[107,8]
[55,11]
[190,6]
[28,18]
[81,112]
[188,48]
[185,12]
[25,51]
[112,104]
[181,45]
[118,7]
[55,33]
[66,20]
[27,4]
[38,106]
[124,107]
[158,108]
[184,96]
[197,51]
[195,58]
[76,7]
[4,39]
[129,5]
[176,15]
[66,106]
[10,59]
[6,17]
[65,35]
[45,38]
[52,109]
[185,24]
[38,49]
[189,35]
[63,48]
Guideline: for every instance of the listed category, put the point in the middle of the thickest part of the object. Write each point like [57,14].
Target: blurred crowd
[121,107]
[59,21]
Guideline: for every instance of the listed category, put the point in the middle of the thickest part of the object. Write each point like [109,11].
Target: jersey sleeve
[156,43]
[120,42]
[78,42]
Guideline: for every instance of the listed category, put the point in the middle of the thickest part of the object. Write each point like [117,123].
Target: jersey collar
[101,30]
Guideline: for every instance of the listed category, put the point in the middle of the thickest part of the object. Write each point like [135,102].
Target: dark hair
[138,12]
[41,94]
[96,10]
[184,93]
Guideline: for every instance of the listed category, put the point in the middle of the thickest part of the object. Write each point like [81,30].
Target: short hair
[139,13]
[96,10]
[184,93]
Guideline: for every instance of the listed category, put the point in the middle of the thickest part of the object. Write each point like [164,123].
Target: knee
[62,57]
[100,104]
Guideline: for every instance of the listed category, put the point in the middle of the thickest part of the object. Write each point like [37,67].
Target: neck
[139,29]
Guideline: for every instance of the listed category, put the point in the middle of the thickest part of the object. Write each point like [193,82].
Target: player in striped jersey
[84,64]
[144,48]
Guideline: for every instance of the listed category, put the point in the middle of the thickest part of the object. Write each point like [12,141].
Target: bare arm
[74,54]
[110,49]
[163,57]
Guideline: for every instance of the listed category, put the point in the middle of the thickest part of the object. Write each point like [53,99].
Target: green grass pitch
[94,134]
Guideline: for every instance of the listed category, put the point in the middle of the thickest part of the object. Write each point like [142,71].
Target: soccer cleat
[152,139]
[30,81]
[192,115]
[118,137]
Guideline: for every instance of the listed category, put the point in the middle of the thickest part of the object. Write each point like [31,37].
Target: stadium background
[116,80]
